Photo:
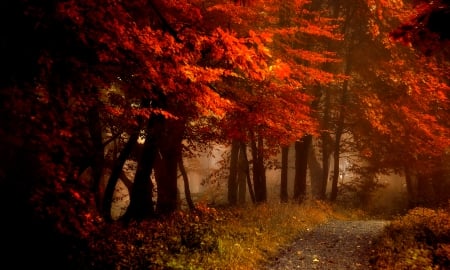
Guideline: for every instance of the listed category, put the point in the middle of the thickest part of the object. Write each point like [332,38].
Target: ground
[337,244]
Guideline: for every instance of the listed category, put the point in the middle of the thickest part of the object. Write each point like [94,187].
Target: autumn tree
[54,118]
[291,28]
[426,30]
[403,99]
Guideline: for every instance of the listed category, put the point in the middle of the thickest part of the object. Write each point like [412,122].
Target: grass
[418,240]
[209,238]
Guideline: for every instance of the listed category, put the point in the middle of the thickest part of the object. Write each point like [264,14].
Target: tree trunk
[259,177]
[187,190]
[338,135]
[232,177]
[141,195]
[440,184]
[284,174]
[411,187]
[166,175]
[95,131]
[326,169]
[336,157]
[247,172]
[326,141]
[316,172]
[242,174]
[115,174]
[301,166]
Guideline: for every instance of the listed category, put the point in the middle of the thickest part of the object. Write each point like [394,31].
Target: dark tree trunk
[301,166]
[187,190]
[316,172]
[232,178]
[411,187]
[425,190]
[335,180]
[326,141]
[166,173]
[141,195]
[115,174]
[284,174]
[262,168]
[247,172]
[338,136]
[440,183]
[242,174]
[95,131]
[259,176]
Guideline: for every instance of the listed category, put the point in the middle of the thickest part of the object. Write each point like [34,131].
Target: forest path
[337,244]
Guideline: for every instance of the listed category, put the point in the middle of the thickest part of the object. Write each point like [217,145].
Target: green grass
[209,238]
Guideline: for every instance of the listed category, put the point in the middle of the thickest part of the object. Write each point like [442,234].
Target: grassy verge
[418,240]
[222,238]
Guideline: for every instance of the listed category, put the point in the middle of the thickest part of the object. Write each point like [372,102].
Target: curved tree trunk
[115,174]
[187,190]
[141,195]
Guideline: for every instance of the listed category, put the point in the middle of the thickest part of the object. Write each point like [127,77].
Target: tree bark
[259,179]
[141,195]
[262,169]
[338,135]
[284,197]
[242,174]
[95,131]
[187,190]
[336,157]
[115,174]
[301,166]
[325,173]
[316,172]
[232,177]
[247,172]
[166,175]
[326,141]
[411,187]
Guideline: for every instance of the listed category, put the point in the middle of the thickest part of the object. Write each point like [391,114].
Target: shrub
[418,240]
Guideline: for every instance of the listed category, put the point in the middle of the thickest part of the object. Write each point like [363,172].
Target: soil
[337,244]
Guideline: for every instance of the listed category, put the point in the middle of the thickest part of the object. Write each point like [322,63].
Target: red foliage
[428,28]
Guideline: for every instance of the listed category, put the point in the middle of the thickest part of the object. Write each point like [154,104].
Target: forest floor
[337,244]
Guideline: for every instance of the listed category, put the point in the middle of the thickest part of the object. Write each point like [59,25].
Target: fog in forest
[208,173]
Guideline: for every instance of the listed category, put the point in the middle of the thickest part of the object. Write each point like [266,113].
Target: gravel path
[334,245]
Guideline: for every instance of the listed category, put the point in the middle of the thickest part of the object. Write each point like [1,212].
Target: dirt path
[335,245]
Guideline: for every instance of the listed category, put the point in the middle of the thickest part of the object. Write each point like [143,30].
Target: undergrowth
[208,238]
[418,240]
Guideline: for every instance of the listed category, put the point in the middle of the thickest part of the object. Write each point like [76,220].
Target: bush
[208,238]
[418,240]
